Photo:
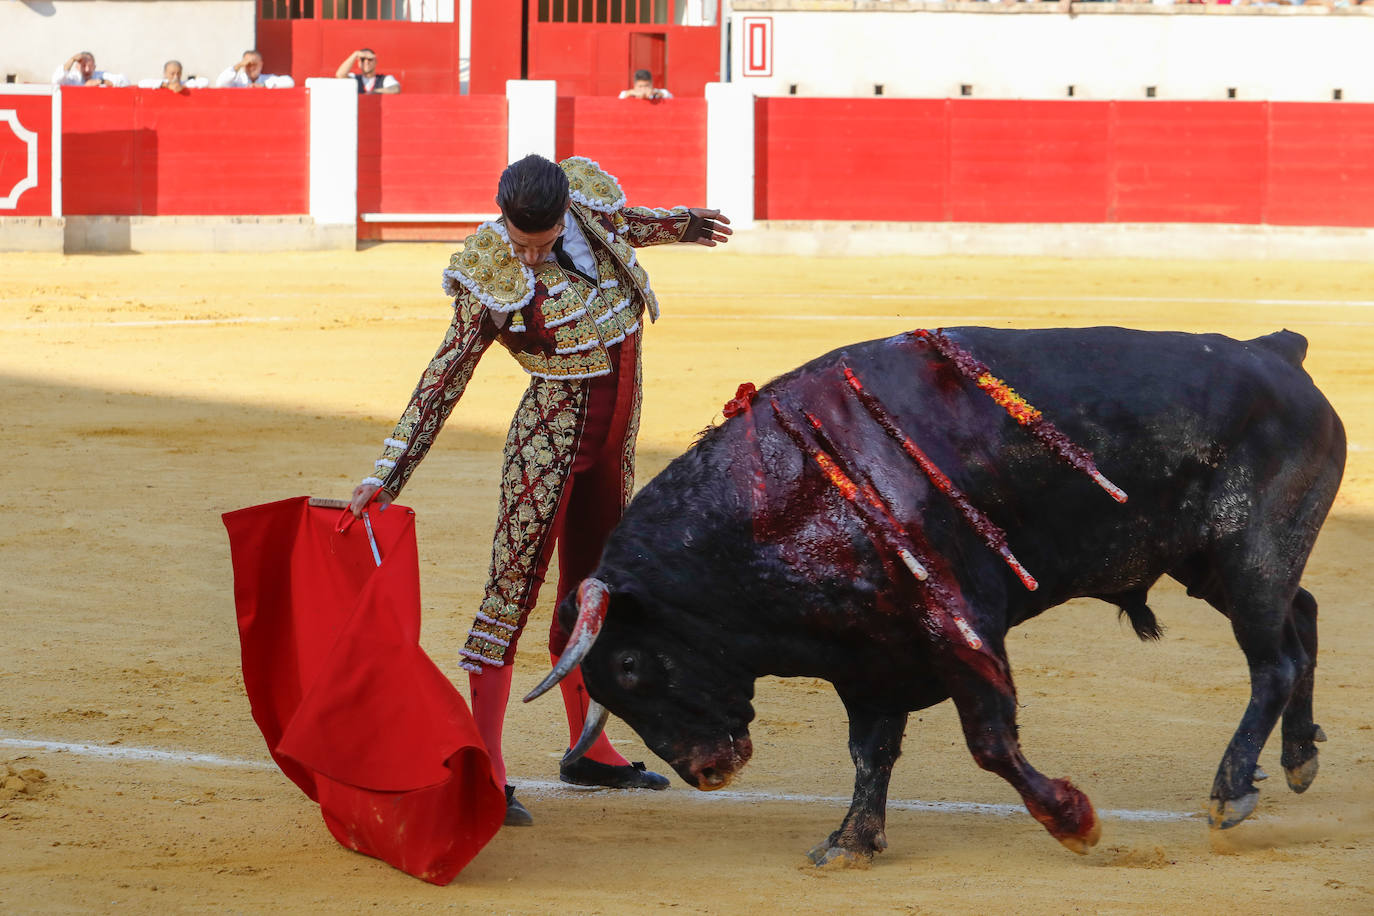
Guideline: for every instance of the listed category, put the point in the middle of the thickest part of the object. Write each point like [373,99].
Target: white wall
[132,37]
[1023,51]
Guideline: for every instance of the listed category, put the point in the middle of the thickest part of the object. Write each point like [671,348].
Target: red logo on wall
[18,159]
[758,45]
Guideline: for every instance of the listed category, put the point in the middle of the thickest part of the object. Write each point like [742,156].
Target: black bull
[747,557]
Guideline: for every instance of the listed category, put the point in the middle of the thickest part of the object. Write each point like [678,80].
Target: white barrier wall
[1036,51]
[130,37]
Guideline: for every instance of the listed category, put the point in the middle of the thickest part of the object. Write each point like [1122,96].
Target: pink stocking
[575,702]
[490,694]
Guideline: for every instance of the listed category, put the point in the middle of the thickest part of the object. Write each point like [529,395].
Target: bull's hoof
[1301,776]
[1081,844]
[826,855]
[1224,815]
[1259,775]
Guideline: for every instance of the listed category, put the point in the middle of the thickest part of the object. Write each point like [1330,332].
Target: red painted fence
[970,160]
[205,152]
[246,152]
[656,149]
[26,160]
[430,153]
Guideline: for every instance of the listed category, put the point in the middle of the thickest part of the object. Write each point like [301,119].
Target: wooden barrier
[656,149]
[970,160]
[203,152]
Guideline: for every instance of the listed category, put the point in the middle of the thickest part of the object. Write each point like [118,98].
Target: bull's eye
[628,673]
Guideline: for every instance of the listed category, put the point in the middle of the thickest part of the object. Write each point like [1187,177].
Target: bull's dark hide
[742,559]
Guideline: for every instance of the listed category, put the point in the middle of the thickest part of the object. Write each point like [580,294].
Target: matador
[557,282]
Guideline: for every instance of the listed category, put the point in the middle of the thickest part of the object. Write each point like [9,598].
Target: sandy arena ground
[143,395]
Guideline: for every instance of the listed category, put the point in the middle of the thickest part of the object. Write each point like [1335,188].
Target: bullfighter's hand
[708,227]
[362,495]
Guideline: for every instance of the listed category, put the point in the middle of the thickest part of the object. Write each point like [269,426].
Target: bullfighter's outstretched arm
[437,393]
[657,226]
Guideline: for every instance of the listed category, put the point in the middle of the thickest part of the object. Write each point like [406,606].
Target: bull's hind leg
[981,686]
[1299,731]
[1260,618]
[875,742]
[1252,577]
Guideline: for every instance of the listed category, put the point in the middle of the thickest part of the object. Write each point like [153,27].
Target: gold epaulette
[592,187]
[487,269]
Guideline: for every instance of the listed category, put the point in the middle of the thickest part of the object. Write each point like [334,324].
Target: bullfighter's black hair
[532,194]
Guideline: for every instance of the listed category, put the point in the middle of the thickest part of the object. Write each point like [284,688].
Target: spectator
[367,77]
[643,88]
[172,79]
[79,70]
[248,72]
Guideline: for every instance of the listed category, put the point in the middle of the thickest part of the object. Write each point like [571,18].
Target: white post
[730,152]
[464,46]
[333,150]
[531,118]
[56,151]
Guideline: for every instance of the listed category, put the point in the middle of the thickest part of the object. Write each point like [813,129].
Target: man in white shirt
[248,73]
[643,88]
[79,70]
[173,80]
[367,77]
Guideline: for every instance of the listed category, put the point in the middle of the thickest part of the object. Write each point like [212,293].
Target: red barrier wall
[430,153]
[205,152]
[656,149]
[1321,164]
[32,114]
[973,160]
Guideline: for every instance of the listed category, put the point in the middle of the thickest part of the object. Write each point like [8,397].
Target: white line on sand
[745,316]
[545,789]
[997,297]
[151,323]
[120,752]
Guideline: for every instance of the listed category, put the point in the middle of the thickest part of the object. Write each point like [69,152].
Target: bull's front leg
[980,683]
[875,743]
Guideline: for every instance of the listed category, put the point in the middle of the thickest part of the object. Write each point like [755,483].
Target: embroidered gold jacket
[556,324]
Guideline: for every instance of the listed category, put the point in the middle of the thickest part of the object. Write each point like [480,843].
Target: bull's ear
[567,611]
[625,605]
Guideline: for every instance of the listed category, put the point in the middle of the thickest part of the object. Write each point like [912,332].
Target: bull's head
[690,706]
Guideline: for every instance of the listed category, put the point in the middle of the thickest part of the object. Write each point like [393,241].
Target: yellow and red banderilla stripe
[987,529]
[865,499]
[1019,409]
[874,511]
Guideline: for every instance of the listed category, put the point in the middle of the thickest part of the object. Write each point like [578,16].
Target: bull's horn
[592,598]
[591,730]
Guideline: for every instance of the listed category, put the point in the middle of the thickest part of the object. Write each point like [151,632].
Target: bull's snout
[712,768]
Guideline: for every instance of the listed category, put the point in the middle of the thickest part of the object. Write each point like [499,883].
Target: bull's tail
[1289,345]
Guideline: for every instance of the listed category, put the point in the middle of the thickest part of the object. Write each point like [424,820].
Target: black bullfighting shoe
[585,772]
[517,815]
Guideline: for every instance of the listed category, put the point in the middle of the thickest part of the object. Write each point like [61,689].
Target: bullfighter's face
[683,696]
[533,248]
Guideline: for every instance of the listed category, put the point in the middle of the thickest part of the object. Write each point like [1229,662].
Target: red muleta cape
[353,710]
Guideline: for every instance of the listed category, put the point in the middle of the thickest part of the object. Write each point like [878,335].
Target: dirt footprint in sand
[20,782]
[1132,857]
